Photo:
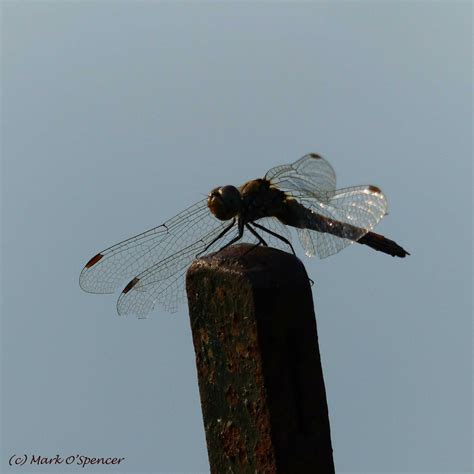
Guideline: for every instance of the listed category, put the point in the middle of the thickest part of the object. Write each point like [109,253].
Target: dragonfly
[301,195]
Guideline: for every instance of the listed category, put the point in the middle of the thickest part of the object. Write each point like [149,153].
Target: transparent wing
[114,266]
[164,282]
[349,212]
[310,176]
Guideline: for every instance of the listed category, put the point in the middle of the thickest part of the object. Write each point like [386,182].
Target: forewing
[163,283]
[114,266]
[311,176]
[360,206]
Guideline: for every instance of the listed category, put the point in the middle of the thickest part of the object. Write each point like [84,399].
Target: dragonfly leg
[278,236]
[219,237]
[259,237]
[235,239]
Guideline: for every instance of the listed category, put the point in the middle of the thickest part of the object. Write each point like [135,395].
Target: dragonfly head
[225,202]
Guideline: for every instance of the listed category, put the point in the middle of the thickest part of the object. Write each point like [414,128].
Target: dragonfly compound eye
[225,202]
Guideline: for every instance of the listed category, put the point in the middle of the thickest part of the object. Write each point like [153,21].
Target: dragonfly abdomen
[305,218]
[301,217]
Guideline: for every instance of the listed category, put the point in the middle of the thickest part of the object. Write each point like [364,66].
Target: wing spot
[375,189]
[93,260]
[315,156]
[130,285]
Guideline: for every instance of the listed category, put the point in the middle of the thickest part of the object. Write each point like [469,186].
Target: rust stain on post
[259,369]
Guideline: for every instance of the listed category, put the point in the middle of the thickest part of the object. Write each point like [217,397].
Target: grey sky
[116,116]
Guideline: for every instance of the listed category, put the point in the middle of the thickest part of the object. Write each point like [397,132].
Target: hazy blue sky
[117,115]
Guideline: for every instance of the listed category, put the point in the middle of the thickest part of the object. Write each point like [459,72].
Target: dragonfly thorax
[225,202]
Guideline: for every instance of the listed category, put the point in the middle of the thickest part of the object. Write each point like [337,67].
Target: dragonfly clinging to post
[302,195]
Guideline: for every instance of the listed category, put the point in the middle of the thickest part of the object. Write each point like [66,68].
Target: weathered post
[260,378]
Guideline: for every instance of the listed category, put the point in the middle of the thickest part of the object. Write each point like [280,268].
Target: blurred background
[118,115]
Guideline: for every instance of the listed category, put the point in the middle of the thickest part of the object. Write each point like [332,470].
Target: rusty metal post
[259,369]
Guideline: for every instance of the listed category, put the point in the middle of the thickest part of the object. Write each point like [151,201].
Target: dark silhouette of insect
[302,195]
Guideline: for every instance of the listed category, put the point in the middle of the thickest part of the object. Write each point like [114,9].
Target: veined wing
[117,264]
[350,213]
[163,283]
[311,176]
